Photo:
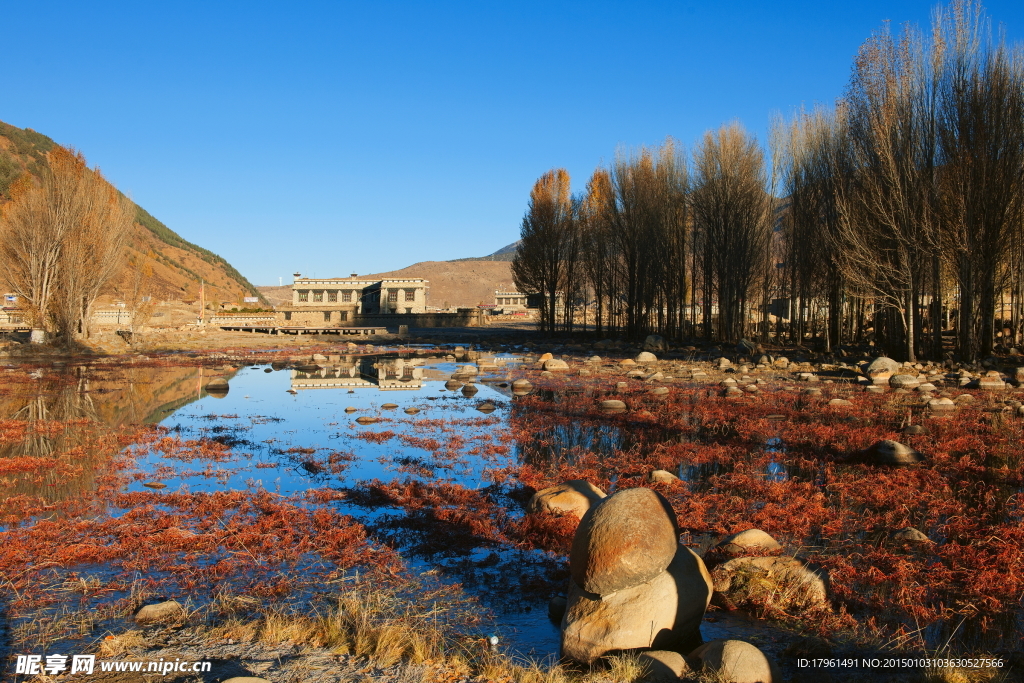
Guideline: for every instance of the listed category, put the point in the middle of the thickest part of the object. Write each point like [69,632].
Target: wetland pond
[125,483]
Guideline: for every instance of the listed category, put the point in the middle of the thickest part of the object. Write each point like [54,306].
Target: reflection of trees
[65,416]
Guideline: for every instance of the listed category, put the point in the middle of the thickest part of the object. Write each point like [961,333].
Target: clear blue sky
[338,137]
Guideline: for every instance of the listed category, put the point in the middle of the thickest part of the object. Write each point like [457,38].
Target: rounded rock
[645,357]
[736,661]
[625,540]
[555,365]
[572,497]
[745,541]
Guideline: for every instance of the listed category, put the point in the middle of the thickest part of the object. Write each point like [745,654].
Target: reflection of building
[386,375]
[337,302]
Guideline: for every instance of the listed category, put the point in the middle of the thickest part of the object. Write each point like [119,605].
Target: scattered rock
[659,391]
[736,661]
[545,356]
[645,357]
[839,402]
[469,390]
[486,407]
[746,541]
[662,666]
[555,365]
[889,452]
[904,382]
[389,406]
[914,430]
[452,385]
[366,420]
[411,411]
[910,535]
[942,405]
[613,405]
[522,387]
[625,540]
[161,611]
[881,369]
[218,387]
[661,477]
[573,497]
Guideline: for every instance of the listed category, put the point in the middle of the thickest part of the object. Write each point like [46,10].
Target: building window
[346,296]
[410,295]
[332,295]
[344,316]
[392,296]
[327,316]
[303,295]
[408,310]
[287,315]
[318,296]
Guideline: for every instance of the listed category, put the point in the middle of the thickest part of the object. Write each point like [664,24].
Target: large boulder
[881,369]
[555,365]
[625,540]
[736,661]
[573,498]
[664,612]
[751,540]
[782,582]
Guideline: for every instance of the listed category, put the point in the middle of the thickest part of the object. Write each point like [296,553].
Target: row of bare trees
[655,243]
[896,215]
[63,240]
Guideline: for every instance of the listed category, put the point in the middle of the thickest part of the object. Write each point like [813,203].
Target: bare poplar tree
[732,213]
[546,242]
[62,240]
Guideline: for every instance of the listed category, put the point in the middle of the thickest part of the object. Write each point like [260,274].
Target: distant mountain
[179,265]
[503,254]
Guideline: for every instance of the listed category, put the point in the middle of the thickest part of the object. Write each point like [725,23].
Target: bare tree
[62,240]
[732,212]
[547,235]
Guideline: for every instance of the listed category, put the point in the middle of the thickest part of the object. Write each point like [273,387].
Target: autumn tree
[548,238]
[62,240]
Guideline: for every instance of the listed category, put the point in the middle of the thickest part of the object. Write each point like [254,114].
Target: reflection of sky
[317,419]
[260,410]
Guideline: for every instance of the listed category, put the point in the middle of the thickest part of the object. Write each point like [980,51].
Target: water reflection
[361,373]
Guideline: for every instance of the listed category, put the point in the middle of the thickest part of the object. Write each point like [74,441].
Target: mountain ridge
[179,266]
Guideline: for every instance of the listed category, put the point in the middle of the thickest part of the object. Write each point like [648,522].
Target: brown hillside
[178,265]
[457,283]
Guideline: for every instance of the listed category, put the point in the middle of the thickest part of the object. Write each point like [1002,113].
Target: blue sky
[338,137]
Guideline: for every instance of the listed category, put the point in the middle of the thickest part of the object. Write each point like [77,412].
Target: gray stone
[736,661]
[572,497]
[645,357]
[169,610]
[904,382]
